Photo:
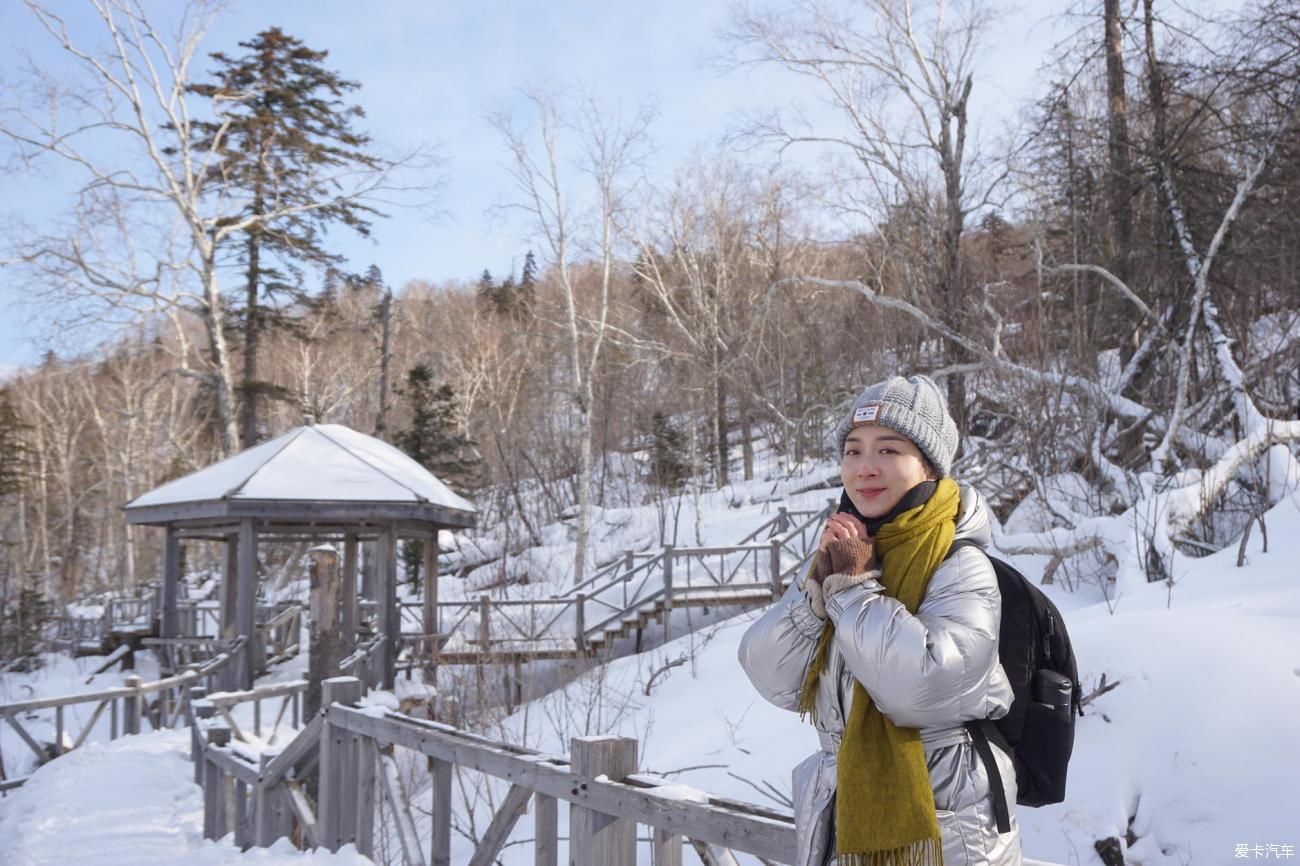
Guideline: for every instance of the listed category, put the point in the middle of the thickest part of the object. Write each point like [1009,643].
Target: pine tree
[668,468]
[20,624]
[433,440]
[13,448]
[281,130]
[528,278]
[528,282]
[508,298]
[487,287]
[21,627]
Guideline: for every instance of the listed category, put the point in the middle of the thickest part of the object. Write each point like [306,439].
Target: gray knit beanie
[914,407]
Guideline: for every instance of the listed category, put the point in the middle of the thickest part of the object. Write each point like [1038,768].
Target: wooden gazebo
[322,482]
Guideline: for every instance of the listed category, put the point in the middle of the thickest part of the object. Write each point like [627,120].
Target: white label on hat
[866,413]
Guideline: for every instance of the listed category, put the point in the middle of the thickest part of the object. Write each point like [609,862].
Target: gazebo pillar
[169,620]
[229,576]
[430,624]
[246,600]
[368,571]
[348,602]
[386,599]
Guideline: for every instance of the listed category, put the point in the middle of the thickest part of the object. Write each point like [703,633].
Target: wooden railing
[365,662]
[280,633]
[263,798]
[743,573]
[163,704]
[221,704]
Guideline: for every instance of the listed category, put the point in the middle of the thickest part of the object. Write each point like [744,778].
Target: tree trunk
[1121,223]
[746,434]
[583,535]
[720,415]
[219,354]
[252,325]
[385,358]
[950,280]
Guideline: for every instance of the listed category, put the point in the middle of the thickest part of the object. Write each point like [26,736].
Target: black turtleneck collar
[918,495]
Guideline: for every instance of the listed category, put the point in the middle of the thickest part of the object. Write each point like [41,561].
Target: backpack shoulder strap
[982,731]
[984,734]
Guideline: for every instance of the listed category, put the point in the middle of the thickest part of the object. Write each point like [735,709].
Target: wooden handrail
[644,799]
[124,691]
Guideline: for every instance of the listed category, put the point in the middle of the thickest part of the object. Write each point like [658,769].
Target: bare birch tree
[606,155]
[899,76]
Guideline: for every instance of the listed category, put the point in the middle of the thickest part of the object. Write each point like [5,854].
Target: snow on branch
[1198,268]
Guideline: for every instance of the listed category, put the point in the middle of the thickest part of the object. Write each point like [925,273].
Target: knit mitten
[845,562]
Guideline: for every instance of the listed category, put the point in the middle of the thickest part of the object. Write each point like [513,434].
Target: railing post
[197,694]
[484,621]
[629,563]
[337,798]
[580,639]
[440,843]
[214,788]
[546,827]
[666,848]
[782,519]
[777,589]
[271,818]
[668,589]
[131,706]
[595,837]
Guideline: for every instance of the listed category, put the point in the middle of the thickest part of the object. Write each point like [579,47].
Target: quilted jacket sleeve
[939,667]
[775,650]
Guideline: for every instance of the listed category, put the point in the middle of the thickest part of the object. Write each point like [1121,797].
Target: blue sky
[431,71]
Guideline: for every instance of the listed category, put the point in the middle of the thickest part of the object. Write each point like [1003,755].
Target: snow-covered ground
[1197,744]
[1194,752]
[131,802]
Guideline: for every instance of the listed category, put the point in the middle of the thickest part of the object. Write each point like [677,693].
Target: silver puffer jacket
[932,671]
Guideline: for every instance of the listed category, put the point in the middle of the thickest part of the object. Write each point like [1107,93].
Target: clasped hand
[846,547]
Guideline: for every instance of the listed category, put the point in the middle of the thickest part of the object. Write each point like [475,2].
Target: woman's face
[878,466]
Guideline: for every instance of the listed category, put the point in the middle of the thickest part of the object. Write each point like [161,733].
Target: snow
[327,462]
[132,802]
[1194,749]
[1197,743]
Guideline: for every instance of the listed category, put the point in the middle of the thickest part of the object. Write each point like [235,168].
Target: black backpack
[1038,730]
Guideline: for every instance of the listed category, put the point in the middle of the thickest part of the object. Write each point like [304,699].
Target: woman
[890,645]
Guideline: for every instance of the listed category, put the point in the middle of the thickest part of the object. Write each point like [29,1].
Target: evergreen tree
[20,624]
[20,629]
[487,287]
[13,448]
[528,278]
[668,468]
[433,440]
[508,298]
[528,282]
[281,132]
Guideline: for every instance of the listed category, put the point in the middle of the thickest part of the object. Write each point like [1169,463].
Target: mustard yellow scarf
[884,807]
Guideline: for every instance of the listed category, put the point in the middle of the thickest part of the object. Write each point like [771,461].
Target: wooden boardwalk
[610,613]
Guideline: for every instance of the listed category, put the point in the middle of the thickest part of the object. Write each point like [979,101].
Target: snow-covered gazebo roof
[321,473]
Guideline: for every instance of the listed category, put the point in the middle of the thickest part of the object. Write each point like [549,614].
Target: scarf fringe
[808,691]
[926,852]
